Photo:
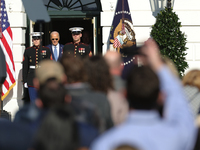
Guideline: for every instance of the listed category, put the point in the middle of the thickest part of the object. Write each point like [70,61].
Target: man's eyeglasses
[54,39]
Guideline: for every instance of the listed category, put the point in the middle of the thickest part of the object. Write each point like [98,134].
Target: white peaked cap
[36,33]
[76,29]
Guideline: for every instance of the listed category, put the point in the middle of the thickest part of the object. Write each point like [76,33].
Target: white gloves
[26,85]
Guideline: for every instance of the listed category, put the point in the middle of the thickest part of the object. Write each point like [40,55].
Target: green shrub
[166,32]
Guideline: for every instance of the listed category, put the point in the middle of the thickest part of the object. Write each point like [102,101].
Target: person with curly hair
[101,80]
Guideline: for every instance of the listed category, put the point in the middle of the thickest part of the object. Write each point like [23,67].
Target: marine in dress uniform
[32,56]
[77,48]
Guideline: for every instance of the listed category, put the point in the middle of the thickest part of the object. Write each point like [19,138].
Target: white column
[17,18]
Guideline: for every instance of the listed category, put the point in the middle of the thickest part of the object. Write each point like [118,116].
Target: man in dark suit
[55,47]
[32,56]
[77,48]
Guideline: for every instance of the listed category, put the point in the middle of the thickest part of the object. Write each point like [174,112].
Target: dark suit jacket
[60,50]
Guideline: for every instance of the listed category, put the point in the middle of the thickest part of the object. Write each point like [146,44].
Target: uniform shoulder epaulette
[69,43]
[84,44]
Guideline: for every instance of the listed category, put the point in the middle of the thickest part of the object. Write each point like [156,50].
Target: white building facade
[142,16]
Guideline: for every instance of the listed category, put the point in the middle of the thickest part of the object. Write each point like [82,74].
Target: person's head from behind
[98,73]
[192,78]
[114,60]
[51,93]
[49,69]
[74,68]
[142,88]
[57,131]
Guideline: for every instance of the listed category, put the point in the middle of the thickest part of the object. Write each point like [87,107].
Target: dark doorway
[73,13]
[62,25]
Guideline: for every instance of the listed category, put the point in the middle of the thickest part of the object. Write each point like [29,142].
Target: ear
[161,98]
[68,99]
[64,79]
[36,83]
[38,103]
[81,35]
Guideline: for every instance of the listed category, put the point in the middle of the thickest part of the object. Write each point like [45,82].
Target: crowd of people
[81,102]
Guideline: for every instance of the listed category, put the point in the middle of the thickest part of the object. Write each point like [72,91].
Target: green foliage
[166,32]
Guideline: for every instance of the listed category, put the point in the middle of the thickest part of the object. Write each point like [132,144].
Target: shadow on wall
[19,88]
[19,92]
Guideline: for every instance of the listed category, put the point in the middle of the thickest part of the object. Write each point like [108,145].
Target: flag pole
[123,29]
[0,83]
[0,100]
[40,30]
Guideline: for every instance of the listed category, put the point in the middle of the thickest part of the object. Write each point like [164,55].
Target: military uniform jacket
[32,56]
[77,49]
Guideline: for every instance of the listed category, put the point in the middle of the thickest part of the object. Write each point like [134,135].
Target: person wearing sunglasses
[77,48]
[55,46]
[31,58]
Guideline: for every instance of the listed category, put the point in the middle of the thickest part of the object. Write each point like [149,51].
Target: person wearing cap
[77,48]
[32,56]
[48,81]
[55,47]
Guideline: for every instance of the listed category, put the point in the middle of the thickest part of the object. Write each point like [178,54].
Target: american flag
[117,42]
[7,47]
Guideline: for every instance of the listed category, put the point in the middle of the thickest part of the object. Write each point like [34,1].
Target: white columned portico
[142,17]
